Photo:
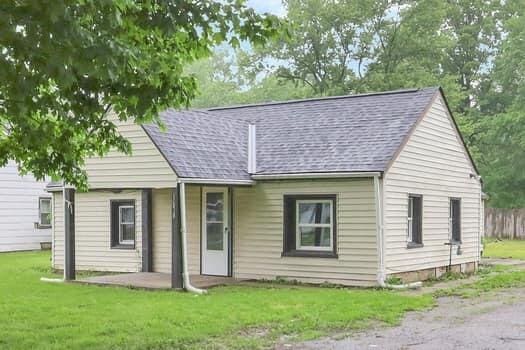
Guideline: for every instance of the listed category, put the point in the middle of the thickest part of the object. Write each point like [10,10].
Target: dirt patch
[493,321]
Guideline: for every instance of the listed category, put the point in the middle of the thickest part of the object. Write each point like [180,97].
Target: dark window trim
[114,223]
[452,240]
[414,244]
[39,224]
[289,226]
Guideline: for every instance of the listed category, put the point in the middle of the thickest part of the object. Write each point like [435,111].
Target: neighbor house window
[415,220]
[310,225]
[454,220]
[123,224]
[44,210]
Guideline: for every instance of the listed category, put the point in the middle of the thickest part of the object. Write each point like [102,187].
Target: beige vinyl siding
[146,167]
[57,253]
[193,223]
[162,229]
[258,233]
[92,234]
[161,212]
[433,163]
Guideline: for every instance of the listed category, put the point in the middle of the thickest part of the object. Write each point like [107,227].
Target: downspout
[185,274]
[381,273]
[381,276]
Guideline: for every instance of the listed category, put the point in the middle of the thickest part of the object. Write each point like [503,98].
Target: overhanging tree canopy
[64,64]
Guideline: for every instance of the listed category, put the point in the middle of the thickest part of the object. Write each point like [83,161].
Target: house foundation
[435,272]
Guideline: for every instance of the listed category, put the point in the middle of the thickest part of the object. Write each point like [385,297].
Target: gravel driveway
[495,321]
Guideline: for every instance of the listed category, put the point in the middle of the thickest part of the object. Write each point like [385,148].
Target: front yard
[505,249]
[36,315]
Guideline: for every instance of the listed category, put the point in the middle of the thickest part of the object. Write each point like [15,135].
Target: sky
[272,6]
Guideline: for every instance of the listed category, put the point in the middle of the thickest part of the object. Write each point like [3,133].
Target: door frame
[228,191]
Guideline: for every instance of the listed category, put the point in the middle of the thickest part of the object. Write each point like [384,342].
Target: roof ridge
[324,98]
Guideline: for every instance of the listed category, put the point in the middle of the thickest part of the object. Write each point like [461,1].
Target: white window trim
[120,223]
[298,245]
[40,212]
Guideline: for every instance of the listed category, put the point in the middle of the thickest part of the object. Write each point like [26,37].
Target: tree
[328,43]
[65,64]
[475,29]
[217,82]
[502,131]
[225,79]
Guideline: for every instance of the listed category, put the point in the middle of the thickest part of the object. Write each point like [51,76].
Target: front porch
[156,280]
[174,231]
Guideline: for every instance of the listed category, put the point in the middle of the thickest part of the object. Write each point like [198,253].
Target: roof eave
[320,175]
[203,181]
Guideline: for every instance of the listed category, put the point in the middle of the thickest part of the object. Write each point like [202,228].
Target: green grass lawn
[505,249]
[492,278]
[35,315]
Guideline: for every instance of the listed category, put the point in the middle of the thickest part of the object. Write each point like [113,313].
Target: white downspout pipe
[381,276]
[381,273]
[185,274]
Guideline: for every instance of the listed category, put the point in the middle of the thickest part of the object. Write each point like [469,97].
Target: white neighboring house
[25,211]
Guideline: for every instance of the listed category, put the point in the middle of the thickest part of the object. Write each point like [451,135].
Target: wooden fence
[505,223]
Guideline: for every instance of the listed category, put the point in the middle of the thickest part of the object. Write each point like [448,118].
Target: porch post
[69,230]
[176,244]
[147,234]
[230,236]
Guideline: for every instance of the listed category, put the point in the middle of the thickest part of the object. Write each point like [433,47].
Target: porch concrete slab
[156,280]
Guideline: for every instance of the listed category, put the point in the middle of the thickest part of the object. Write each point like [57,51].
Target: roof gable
[438,98]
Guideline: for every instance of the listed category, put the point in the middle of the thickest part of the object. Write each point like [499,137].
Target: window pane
[314,213]
[455,207]
[315,236]
[128,232]
[45,206]
[214,206]
[415,204]
[126,215]
[214,236]
[45,219]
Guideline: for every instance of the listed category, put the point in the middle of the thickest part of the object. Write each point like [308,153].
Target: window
[415,213]
[310,225]
[44,212]
[123,224]
[454,220]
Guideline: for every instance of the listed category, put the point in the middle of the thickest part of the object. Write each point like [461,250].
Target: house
[348,190]
[25,211]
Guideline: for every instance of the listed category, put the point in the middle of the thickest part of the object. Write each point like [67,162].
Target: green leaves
[66,63]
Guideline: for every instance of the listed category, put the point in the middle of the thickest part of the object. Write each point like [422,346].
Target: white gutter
[332,175]
[185,274]
[381,275]
[190,180]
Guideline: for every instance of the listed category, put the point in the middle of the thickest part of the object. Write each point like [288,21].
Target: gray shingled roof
[356,133]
